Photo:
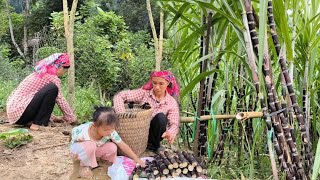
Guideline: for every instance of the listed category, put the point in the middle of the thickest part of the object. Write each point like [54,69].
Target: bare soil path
[46,157]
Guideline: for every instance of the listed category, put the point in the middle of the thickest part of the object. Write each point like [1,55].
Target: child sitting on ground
[92,140]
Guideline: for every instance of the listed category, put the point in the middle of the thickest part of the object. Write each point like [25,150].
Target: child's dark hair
[110,118]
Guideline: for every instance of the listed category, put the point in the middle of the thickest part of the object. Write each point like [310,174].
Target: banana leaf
[19,131]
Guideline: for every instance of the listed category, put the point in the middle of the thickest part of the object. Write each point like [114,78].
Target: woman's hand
[75,123]
[169,136]
[58,119]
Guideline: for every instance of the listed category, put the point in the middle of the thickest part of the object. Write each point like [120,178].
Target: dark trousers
[41,106]
[158,126]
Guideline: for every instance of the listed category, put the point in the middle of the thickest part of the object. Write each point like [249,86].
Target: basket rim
[135,106]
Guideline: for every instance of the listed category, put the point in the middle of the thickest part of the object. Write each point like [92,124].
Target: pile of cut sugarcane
[170,165]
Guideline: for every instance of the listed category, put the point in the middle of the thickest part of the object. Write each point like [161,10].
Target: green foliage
[95,61]
[137,71]
[3,19]
[41,10]
[232,169]
[89,8]
[133,12]
[6,87]
[9,76]
[85,99]
[101,42]
[110,24]
[316,167]
[4,51]
[46,51]
[57,23]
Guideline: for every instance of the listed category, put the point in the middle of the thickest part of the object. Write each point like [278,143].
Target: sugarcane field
[159,90]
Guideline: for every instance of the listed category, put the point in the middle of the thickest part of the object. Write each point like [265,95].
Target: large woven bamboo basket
[134,128]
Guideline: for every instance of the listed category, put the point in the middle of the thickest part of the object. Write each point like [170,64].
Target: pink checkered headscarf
[51,64]
[173,88]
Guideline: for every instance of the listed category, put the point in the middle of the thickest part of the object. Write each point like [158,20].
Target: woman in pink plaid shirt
[159,93]
[32,102]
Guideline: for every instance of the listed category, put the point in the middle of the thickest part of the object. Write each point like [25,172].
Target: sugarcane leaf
[314,43]
[220,105]
[195,81]
[186,42]
[316,166]
[224,14]
[282,22]
[215,97]
[183,17]
[178,14]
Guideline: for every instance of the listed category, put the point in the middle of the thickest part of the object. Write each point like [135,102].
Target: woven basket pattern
[134,128]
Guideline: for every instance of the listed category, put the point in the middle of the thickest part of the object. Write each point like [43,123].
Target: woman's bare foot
[34,127]
[29,124]
[85,172]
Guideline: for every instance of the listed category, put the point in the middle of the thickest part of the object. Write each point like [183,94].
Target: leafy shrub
[46,51]
[85,99]
[100,43]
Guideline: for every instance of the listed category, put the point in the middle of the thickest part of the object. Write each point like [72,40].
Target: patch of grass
[231,169]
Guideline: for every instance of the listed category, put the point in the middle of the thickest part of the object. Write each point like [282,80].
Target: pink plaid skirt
[88,152]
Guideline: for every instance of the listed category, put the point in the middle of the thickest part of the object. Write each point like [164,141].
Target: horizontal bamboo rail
[239,116]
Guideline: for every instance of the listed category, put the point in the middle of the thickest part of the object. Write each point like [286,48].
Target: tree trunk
[68,27]
[25,29]
[11,31]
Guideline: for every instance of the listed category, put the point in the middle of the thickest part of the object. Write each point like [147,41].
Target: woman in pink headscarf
[32,102]
[159,93]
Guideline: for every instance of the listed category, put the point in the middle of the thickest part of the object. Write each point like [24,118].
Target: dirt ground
[45,157]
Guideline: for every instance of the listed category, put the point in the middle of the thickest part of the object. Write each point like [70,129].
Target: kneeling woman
[159,92]
[32,102]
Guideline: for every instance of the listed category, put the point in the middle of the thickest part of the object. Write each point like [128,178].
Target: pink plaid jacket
[168,105]
[24,93]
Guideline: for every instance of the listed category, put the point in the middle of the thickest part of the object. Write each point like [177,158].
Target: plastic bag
[122,168]
[117,171]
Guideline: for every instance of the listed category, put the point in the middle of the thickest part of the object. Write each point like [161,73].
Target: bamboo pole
[206,118]
[238,116]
